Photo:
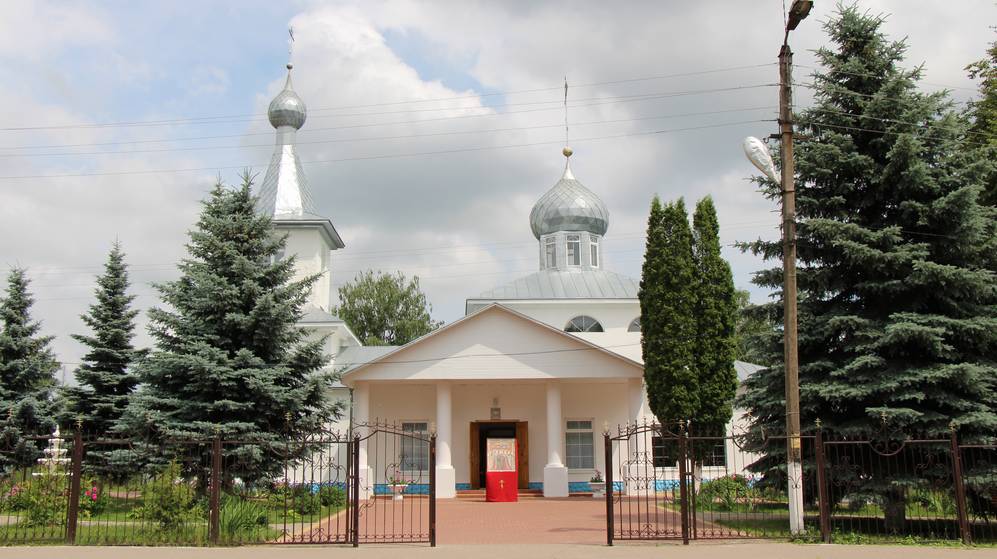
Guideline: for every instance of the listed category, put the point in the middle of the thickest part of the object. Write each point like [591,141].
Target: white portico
[498,367]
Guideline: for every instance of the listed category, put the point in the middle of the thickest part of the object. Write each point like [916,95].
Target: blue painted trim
[463,487]
[536,485]
[580,487]
[412,489]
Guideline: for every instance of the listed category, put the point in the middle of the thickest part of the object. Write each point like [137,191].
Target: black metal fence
[314,489]
[665,482]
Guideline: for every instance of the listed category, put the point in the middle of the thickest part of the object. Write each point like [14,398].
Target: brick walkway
[573,520]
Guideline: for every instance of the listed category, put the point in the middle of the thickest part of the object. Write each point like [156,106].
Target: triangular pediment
[497,343]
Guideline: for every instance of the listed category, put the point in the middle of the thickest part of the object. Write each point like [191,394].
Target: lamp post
[760,157]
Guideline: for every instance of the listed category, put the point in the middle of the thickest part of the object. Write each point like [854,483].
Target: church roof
[315,315]
[569,206]
[354,356]
[284,194]
[287,109]
[585,283]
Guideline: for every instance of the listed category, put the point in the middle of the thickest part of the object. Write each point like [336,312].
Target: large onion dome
[287,109]
[569,206]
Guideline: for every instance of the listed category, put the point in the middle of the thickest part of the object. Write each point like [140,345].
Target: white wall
[312,252]
[599,402]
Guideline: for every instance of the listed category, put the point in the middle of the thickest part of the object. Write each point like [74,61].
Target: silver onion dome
[287,109]
[569,206]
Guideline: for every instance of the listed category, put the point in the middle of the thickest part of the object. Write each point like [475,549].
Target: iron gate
[665,483]
[394,489]
[374,485]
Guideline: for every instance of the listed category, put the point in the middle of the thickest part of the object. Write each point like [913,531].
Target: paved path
[752,550]
[572,520]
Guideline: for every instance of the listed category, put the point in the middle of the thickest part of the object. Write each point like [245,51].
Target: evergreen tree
[385,309]
[716,317]
[897,308]
[667,302]
[754,330]
[105,378]
[983,112]
[229,360]
[27,377]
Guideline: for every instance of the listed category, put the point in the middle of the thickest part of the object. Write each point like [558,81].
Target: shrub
[238,515]
[294,500]
[14,497]
[93,501]
[44,499]
[723,493]
[168,500]
[332,496]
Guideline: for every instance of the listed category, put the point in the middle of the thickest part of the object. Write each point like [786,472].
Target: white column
[361,414]
[635,399]
[446,478]
[636,412]
[555,474]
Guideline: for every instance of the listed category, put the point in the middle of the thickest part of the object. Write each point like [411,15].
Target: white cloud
[458,220]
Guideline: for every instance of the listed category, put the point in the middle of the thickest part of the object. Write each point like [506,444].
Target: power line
[449,357]
[379,254]
[379,138]
[868,75]
[382,156]
[216,118]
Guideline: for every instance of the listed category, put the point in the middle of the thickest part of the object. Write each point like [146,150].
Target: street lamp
[758,154]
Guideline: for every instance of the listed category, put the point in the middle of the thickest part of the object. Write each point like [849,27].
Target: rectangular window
[579,446]
[550,252]
[665,452]
[711,453]
[415,451]
[574,250]
[594,247]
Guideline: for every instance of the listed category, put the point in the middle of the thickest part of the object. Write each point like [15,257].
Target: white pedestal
[555,481]
[446,482]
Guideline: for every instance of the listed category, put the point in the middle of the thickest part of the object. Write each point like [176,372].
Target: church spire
[284,192]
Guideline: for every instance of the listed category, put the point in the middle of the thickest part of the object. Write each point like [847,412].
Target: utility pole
[794,468]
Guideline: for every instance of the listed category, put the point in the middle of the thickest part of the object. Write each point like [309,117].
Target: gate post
[214,512]
[608,464]
[825,506]
[683,481]
[432,490]
[355,482]
[74,486]
[960,487]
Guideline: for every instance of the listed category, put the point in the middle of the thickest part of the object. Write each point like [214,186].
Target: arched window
[583,324]
[634,325]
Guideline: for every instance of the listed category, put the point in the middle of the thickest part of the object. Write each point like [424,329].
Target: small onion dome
[569,206]
[287,109]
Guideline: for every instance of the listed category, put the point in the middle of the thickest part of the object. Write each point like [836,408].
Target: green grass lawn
[118,524]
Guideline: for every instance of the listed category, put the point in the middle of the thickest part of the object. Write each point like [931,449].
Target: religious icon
[501,455]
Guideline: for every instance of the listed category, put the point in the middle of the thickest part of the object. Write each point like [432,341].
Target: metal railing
[665,482]
[311,489]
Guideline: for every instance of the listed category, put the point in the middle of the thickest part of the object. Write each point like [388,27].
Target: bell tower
[284,196]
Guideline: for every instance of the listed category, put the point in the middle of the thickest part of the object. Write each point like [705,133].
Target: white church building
[552,359]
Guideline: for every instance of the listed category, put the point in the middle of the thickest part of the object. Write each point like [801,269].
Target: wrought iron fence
[324,488]
[665,482]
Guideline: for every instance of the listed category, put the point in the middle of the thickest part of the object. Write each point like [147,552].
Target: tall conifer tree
[716,320]
[229,359]
[897,310]
[667,302]
[105,378]
[27,377]
[983,112]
